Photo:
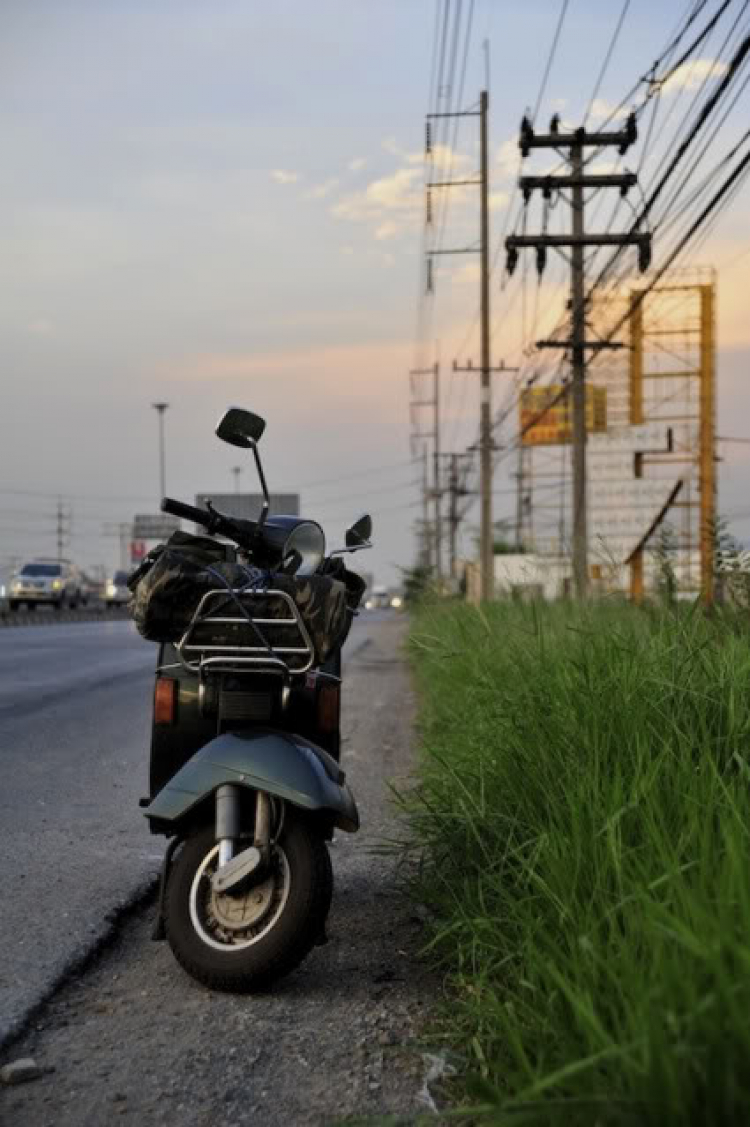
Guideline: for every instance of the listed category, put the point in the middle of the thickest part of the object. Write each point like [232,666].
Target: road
[74,727]
[132,1034]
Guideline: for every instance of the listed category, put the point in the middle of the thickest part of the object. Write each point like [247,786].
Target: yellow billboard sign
[546,414]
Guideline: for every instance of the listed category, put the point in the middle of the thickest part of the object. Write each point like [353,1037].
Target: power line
[607,59]
[550,59]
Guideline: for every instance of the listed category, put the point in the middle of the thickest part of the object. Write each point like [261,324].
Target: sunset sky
[215,204]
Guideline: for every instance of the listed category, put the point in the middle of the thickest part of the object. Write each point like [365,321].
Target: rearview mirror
[240,428]
[358,534]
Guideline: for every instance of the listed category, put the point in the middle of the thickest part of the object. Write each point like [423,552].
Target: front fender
[288,766]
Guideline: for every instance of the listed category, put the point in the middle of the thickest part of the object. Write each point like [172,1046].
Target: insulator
[428,202]
[428,138]
[631,133]
[644,253]
[541,259]
[527,132]
[512,259]
[430,288]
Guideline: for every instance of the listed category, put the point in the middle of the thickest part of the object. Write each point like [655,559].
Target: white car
[116,591]
[56,583]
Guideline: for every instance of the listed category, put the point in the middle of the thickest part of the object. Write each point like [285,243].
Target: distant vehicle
[56,583]
[116,591]
[378,599]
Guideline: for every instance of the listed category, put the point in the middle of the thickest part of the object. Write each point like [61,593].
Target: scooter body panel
[287,766]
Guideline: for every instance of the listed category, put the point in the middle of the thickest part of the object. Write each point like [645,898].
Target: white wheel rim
[240,939]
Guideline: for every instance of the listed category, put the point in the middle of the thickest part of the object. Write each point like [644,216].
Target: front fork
[235,870]
[228,827]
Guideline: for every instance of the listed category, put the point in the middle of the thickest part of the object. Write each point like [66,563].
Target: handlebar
[243,532]
[187,512]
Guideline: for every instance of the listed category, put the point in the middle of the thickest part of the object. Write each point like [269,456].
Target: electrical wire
[550,59]
[607,59]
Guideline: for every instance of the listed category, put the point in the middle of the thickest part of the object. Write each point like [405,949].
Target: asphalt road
[128,1033]
[74,727]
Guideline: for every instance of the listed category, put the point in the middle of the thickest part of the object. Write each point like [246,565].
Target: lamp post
[160,408]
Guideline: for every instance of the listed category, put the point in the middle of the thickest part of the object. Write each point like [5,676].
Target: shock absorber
[227,820]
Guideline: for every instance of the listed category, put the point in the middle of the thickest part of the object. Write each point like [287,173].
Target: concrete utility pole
[521,476]
[62,529]
[576,180]
[434,434]
[486,450]
[160,408]
[485,407]
[428,554]
[454,517]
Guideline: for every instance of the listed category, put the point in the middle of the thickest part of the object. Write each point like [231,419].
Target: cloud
[468,274]
[508,159]
[395,193]
[602,110]
[357,164]
[320,191]
[386,230]
[691,75]
[391,145]
[283,177]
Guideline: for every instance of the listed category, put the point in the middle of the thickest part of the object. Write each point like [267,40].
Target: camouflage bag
[168,591]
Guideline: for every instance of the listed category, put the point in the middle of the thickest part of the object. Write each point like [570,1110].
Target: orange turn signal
[165,700]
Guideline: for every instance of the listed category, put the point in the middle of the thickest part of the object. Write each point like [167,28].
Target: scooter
[245,779]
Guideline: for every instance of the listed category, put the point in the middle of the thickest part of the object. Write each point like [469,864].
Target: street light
[160,408]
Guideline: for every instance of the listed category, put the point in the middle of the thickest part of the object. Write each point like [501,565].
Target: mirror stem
[264,487]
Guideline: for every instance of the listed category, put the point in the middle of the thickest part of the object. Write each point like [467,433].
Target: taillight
[329,697]
[165,700]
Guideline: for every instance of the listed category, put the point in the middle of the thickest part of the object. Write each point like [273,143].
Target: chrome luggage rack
[225,636]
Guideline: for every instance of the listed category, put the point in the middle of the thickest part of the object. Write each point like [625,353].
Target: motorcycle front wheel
[245,942]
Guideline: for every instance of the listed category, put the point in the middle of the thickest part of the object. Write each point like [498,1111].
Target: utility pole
[434,434]
[236,470]
[576,180]
[454,518]
[62,528]
[521,503]
[485,407]
[486,450]
[427,548]
[160,408]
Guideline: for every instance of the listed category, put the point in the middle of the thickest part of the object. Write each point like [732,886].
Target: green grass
[583,821]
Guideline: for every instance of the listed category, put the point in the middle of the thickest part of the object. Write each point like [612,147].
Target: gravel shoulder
[135,1040]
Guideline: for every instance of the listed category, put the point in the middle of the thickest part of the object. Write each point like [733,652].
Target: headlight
[304,549]
[56,584]
[17,585]
[297,546]
[111,590]
[396,602]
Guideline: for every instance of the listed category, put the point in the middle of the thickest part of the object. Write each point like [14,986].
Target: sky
[214,205]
